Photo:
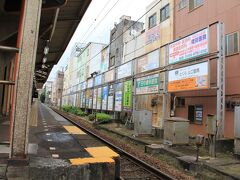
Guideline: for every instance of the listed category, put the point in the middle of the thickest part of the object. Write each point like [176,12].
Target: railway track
[131,167]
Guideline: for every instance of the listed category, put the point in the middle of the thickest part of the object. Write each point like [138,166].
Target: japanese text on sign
[188,78]
[189,47]
[148,84]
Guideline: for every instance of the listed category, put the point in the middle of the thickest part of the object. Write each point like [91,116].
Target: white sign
[124,71]
[110,98]
[94,98]
[148,62]
[118,101]
[110,103]
[189,47]
[192,77]
[109,76]
[90,83]
[98,80]
[84,84]
[99,98]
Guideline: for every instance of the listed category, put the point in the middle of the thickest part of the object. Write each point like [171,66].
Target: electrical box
[142,122]
[237,130]
[176,130]
[237,122]
[211,124]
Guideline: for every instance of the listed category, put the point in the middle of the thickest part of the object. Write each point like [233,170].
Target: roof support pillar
[24,69]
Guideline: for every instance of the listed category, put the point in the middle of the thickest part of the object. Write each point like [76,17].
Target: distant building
[48,91]
[57,89]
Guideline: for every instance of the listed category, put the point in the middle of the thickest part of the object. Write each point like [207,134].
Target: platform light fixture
[44,60]
[46,50]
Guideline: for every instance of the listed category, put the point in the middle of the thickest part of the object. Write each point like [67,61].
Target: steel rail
[145,165]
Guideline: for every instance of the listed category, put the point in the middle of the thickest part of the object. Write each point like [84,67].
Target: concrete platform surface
[59,150]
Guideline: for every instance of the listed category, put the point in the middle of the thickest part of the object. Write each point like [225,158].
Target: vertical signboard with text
[95,98]
[127,95]
[104,97]
[110,98]
[118,97]
[99,98]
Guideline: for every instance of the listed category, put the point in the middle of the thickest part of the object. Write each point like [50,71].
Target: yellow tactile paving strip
[74,130]
[102,151]
[79,161]
[100,155]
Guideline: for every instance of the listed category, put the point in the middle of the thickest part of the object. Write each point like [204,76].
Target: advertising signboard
[110,98]
[189,47]
[147,85]
[118,97]
[87,98]
[152,38]
[148,62]
[84,85]
[90,83]
[90,98]
[105,59]
[127,95]
[99,98]
[95,99]
[109,76]
[124,70]
[104,97]
[83,99]
[192,77]
[98,80]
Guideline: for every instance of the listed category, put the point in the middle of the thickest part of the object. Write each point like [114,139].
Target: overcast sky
[97,22]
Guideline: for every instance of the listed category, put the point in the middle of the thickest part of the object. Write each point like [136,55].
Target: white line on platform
[49,140]
[45,126]
[65,133]
[55,155]
[48,134]
[52,148]
[45,129]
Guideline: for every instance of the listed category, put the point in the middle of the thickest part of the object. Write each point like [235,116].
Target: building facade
[119,35]
[191,16]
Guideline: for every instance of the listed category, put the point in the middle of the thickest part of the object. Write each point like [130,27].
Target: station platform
[59,150]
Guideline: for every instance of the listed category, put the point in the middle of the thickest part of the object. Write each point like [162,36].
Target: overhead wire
[120,34]
[95,19]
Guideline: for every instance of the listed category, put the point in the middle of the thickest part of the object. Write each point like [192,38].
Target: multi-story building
[148,50]
[121,33]
[82,63]
[48,91]
[192,16]
[57,89]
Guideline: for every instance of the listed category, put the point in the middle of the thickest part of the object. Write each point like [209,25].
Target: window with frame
[152,21]
[164,13]
[194,4]
[182,4]
[231,43]
[195,114]
[180,102]
[112,61]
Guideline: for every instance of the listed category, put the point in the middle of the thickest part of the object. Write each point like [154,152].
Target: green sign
[147,85]
[127,94]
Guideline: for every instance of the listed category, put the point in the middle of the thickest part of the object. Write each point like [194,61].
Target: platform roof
[54,34]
